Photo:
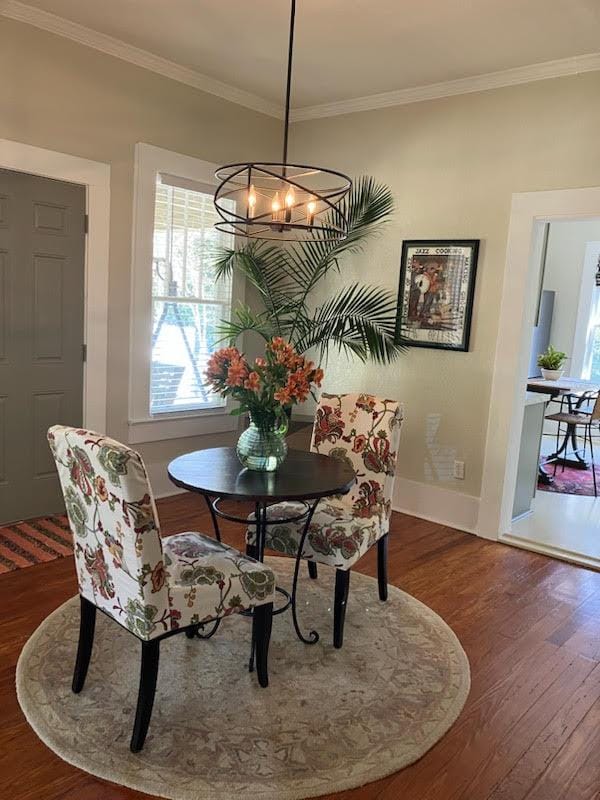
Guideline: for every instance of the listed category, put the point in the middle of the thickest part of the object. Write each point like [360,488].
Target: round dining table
[304,477]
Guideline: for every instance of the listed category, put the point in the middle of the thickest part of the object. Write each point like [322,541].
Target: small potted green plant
[551,363]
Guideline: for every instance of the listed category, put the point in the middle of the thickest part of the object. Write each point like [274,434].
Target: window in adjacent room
[585,362]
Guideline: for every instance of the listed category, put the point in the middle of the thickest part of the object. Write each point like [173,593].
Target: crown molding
[60,26]
[434,91]
[21,12]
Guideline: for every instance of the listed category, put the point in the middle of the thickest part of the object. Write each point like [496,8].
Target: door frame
[95,176]
[529,213]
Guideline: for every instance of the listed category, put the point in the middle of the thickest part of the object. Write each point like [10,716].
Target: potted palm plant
[551,363]
[358,319]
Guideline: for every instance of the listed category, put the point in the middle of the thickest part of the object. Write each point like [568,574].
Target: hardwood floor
[530,626]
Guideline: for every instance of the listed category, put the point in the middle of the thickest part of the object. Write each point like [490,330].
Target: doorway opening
[42,276]
[558,477]
[91,180]
[538,424]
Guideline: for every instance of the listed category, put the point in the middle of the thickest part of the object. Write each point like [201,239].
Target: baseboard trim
[457,510]
[412,498]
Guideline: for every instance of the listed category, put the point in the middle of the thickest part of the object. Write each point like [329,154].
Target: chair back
[113,519]
[364,431]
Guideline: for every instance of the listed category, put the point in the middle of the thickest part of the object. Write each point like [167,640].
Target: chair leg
[556,448]
[262,621]
[342,585]
[148,676]
[312,570]
[592,460]
[252,551]
[382,549]
[87,626]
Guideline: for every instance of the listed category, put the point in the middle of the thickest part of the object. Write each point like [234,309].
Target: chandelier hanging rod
[288,90]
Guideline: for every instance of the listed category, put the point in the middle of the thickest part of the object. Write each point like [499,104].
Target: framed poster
[435,296]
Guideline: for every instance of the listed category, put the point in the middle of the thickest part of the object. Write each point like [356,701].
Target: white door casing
[95,176]
[529,212]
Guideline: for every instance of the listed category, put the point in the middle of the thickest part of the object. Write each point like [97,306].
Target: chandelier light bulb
[290,202]
[310,210]
[276,207]
[251,201]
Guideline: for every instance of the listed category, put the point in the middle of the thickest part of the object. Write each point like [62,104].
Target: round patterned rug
[330,719]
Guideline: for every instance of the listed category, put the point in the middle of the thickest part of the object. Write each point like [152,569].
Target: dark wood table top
[217,472]
[564,385]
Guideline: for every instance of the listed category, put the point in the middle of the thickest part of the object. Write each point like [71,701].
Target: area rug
[330,719]
[571,481]
[34,541]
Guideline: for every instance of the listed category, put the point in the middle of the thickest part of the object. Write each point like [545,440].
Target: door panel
[48,288]
[42,257]
[47,408]
[3,211]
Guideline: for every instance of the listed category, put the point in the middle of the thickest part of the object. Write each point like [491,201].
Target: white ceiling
[344,48]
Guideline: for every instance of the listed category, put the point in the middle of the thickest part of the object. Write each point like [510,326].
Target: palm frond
[266,265]
[368,206]
[224,261]
[269,270]
[360,318]
[245,319]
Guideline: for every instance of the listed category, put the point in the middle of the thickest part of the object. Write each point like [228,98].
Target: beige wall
[62,96]
[453,165]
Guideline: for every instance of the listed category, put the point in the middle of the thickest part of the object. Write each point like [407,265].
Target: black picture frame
[439,320]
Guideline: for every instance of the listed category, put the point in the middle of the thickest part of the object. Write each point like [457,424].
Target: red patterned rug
[34,541]
[572,481]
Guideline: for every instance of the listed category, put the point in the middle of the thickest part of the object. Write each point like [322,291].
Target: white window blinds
[187,301]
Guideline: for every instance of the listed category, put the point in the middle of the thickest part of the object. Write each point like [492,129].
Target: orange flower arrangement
[268,387]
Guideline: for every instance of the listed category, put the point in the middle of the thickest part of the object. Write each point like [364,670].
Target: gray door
[42,257]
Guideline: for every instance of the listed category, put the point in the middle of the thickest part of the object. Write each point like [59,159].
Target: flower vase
[263,448]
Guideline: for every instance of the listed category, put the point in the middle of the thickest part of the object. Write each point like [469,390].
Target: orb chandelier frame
[280,201]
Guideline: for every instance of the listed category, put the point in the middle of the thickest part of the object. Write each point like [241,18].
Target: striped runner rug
[34,541]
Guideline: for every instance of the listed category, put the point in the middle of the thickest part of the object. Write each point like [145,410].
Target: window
[187,301]
[176,301]
[595,354]
[585,362]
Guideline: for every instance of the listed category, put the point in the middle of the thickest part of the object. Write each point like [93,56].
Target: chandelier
[281,201]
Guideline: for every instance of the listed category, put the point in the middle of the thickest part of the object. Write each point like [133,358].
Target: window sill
[180,426]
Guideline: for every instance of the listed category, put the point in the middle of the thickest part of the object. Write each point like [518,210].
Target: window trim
[150,161]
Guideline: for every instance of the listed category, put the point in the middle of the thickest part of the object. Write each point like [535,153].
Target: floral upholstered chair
[364,431]
[151,586]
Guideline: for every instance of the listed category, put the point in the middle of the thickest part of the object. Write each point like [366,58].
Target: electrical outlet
[459,470]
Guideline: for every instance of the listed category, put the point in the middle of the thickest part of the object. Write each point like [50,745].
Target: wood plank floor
[531,627]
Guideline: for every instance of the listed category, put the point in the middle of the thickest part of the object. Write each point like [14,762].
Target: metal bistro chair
[153,587]
[574,419]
